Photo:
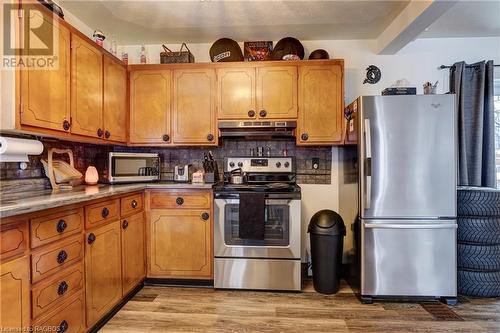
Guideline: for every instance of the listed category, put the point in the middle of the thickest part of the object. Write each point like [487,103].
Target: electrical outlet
[315,163]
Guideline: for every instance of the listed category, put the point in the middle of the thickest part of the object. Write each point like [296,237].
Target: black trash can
[327,231]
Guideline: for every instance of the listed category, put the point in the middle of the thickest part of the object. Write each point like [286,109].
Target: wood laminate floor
[175,309]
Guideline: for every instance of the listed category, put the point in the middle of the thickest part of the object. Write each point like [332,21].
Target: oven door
[282,231]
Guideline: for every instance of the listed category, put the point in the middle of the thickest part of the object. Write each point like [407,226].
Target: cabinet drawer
[131,204]
[102,212]
[50,293]
[13,239]
[68,318]
[56,226]
[56,257]
[181,199]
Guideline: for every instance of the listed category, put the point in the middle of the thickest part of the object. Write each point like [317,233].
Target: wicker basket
[184,55]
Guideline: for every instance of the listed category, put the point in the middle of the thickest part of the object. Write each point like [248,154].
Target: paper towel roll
[17,150]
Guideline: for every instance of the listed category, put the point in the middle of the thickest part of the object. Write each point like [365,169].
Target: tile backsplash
[90,154]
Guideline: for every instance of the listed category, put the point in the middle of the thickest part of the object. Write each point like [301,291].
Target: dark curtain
[473,86]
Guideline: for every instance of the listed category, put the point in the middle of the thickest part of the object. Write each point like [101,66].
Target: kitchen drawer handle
[105,212]
[125,224]
[263,113]
[304,136]
[166,137]
[210,137]
[107,134]
[63,327]
[62,256]
[205,216]
[100,132]
[179,201]
[91,238]
[251,113]
[63,287]
[61,226]
[66,125]
[133,203]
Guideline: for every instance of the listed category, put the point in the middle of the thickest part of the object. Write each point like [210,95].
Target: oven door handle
[269,202]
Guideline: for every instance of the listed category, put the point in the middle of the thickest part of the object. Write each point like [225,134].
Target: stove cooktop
[268,187]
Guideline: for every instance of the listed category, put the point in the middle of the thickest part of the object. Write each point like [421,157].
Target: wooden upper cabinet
[133,254]
[236,93]
[103,278]
[45,93]
[193,109]
[150,106]
[15,291]
[277,92]
[320,118]
[115,100]
[86,88]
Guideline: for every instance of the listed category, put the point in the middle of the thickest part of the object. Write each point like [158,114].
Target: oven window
[134,166]
[276,226]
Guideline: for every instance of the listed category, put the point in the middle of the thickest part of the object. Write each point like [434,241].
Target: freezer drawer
[267,274]
[408,258]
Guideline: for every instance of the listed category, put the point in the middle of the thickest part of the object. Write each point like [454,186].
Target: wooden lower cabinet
[50,293]
[103,277]
[180,243]
[15,294]
[68,318]
[14,239]
[133,254]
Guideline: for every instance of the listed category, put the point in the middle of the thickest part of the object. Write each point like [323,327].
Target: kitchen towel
[252,215]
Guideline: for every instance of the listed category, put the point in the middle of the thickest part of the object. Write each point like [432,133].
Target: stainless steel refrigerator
[407,150]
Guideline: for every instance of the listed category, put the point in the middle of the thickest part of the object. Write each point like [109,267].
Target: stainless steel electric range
[273,261]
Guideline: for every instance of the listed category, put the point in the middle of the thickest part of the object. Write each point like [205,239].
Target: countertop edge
[46,201]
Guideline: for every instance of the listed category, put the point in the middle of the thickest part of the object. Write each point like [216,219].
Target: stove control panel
[260,164]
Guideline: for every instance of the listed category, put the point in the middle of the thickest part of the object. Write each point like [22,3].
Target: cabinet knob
[62,256]
[124,224]
[61,226]
[62,288]
[63,327]
[205,216]
[251,113]
[304,136]
[179,201]
[100,132]
[105,212]
[133,203]
[210,137]
[166,137]
[263,113]
[107,134]
[91,238]
[66,125]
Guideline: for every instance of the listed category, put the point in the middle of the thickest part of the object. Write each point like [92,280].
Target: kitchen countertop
[28,202]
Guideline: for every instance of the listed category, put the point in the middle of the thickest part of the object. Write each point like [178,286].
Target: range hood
[256,128]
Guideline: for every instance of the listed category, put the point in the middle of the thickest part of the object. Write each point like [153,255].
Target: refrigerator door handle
[410,226]
[368,163]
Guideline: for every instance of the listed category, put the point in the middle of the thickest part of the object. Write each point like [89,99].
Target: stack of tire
[478,241]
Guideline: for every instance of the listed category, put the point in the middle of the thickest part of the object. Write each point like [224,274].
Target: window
[496,99]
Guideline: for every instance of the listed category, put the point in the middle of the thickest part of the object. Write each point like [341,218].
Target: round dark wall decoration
[373,75]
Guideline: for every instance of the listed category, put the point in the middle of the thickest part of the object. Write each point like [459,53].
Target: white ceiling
[197,21]
[468,19]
